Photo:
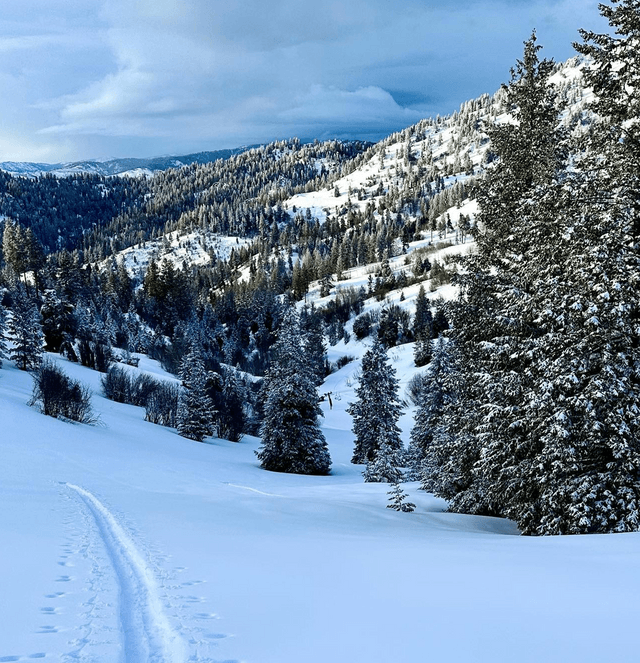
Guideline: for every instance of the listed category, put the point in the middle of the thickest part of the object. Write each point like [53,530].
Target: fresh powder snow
[123,541]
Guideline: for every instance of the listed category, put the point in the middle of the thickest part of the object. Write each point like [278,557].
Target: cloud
[169,75]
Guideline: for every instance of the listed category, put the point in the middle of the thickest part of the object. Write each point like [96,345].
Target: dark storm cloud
[115,77]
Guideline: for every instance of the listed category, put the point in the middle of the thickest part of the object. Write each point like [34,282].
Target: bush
[159,398]
[416,387]
[95,355]
[116,385]
[162,404]
[57,395]
[362,325]
[343,361]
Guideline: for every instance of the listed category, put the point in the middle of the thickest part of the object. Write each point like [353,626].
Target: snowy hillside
[124,541]
[453,147]
[195,248]
[427,170]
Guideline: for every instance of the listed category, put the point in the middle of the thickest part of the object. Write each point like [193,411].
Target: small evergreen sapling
[384,467]
[397,499]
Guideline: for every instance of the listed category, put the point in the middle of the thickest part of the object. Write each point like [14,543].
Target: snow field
[240,564]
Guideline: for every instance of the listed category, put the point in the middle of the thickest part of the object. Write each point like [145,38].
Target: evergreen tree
[58,322]
[423,319]
[377,408]
[291,437]
[3,326]
[422,350]
[25,330]
[195,418]
[493,322]
[384,467]
[228,395]
[432,400]
[398,499]
[314,345]
[543,428]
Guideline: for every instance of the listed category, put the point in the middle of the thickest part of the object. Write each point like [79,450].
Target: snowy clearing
[124,542]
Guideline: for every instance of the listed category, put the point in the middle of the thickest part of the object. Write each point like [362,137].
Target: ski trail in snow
[148,635]
[253,490]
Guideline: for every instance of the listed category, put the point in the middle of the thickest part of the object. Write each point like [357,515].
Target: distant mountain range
[123,166]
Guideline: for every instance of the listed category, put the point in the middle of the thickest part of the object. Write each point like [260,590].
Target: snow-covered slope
[125,542]
[454,147]
[194,248]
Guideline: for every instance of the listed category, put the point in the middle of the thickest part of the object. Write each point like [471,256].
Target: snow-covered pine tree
[377,408]
[3,327]
[384,468]
[25,331]
[398,499]
[291,437]
[583,407]
[314,344]
[230,396]
[481,458]
[196,414]
[433,399]
[422,329]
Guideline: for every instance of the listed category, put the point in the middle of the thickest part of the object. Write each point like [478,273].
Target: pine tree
[384,467]
[25,330]
[398,499]
[314,345]
[423,319]
[195,418]
[433,400]
[3,326]
[291,437]
[480,458]
[377,408]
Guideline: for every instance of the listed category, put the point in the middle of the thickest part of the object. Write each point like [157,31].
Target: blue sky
[106,78]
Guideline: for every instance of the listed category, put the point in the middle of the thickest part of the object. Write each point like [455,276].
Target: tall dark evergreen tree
[493,321]
[547,325]
[195,417]
[25,331]
[433,399]
[377,408]
[291,437]
[3,327]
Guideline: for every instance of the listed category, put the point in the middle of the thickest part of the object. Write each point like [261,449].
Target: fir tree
[291,437]
[25,330]
[195,418]
[3,326]
[377,408]
[384,467]
[398,499]
[432,400]
[480,458]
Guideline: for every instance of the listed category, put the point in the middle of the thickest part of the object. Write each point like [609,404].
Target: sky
[99,79]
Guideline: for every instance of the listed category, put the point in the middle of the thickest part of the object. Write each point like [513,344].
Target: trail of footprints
[121,613]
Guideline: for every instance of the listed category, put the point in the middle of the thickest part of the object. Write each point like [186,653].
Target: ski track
[147,634]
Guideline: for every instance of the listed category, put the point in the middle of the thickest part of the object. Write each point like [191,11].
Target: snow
[194,248]
[202,556]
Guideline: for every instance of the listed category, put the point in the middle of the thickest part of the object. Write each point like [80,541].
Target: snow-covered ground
[125,542]
[193,248]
